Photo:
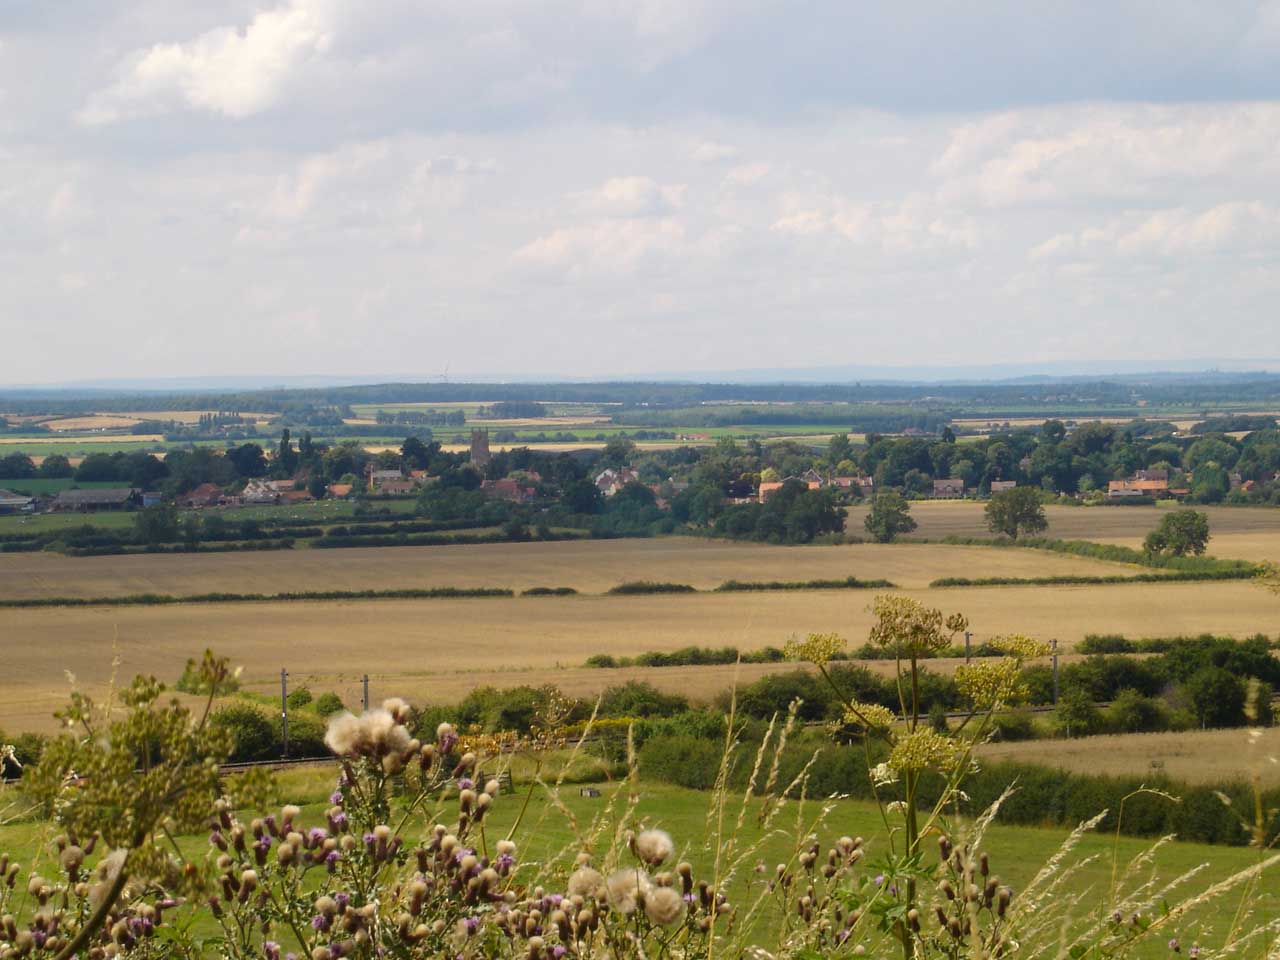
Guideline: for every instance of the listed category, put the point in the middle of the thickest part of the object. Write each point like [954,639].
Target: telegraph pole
[364,698]
[284,712]
[967,638]
[1053,644]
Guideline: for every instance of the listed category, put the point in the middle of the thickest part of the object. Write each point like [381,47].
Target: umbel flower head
[911,629]
[816,648]
[924,750]
[1021,647]
[868,716]
[988,684]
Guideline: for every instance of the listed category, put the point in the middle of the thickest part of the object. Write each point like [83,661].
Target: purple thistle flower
[271,950]
[466,783]
[335,798]
[342,899]
[320,922]
[317,834]
[472,924]
[331,860]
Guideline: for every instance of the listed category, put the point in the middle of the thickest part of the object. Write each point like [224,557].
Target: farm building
[205,495]
[1000,486]
[11,502]
[90,501]
[950,489]
[260,492]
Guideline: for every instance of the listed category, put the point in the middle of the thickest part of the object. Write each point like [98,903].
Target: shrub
[328,703]
[1131,712]
[638,699]
[683,760]
[299,698]
[253,735]
[650,586]
[549,592]
[306,735]
[1014,725]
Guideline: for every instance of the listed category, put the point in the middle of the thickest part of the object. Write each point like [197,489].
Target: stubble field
[439,649]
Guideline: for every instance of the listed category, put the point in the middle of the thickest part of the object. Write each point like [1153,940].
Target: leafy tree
[316,485]
[583,496]
[1131,712]
[889,516]
[158,524]
[618,452]
[1075,715]
[286,456]
[17,466]
[56,467]
[839,448]
[1217,697]
[416,454]
[1053,431]
[1016,511]
[249,460]
[1180,533]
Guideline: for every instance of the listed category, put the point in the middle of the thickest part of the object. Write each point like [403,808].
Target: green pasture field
[546,835]
[43,486]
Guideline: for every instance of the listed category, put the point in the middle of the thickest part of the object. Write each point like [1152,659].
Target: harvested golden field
[1198,756]
[1246,533]
[97,421]
[454,644]
[91,439]
[589,566]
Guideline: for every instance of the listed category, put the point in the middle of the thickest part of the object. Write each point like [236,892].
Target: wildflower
[909,627]
[625,888]
[374,733]
[1021,647]
[869,716]
[586,882]
[653,846]
[816,648]
[988,684]
[924,750]
[883,775]
[664,906]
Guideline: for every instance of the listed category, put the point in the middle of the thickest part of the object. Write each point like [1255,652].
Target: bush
[549,592]
[650,586]
[682,760]
[1131,712]
[638,699]
[299,698]
[306,736]
[1014,725]
[328,704]
[253,735]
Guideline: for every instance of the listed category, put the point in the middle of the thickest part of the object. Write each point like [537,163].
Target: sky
[612,188]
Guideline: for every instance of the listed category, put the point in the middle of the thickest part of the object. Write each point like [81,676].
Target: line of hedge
[1044,795]
[1113,553]
[1175,577]
[686,657]
[160,599]
[329,542]
[549,592]
[243,546]
[636,587]
[848,583]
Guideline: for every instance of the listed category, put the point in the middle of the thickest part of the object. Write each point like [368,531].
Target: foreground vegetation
[409,859]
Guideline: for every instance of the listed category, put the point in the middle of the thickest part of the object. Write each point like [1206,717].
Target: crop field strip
[589,566]
[437,644]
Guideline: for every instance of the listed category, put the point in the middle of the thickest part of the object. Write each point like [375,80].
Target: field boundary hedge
[848,583]
[1175,577]
[641,587]
[161,599]
[1116,554]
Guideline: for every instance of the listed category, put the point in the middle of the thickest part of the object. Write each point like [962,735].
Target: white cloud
[632,197]
[709,151]
[230,71]
[611,246]
[747,174]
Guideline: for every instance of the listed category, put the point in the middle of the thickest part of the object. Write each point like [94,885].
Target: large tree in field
[1017,511]
[889,516]
[1180,533]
